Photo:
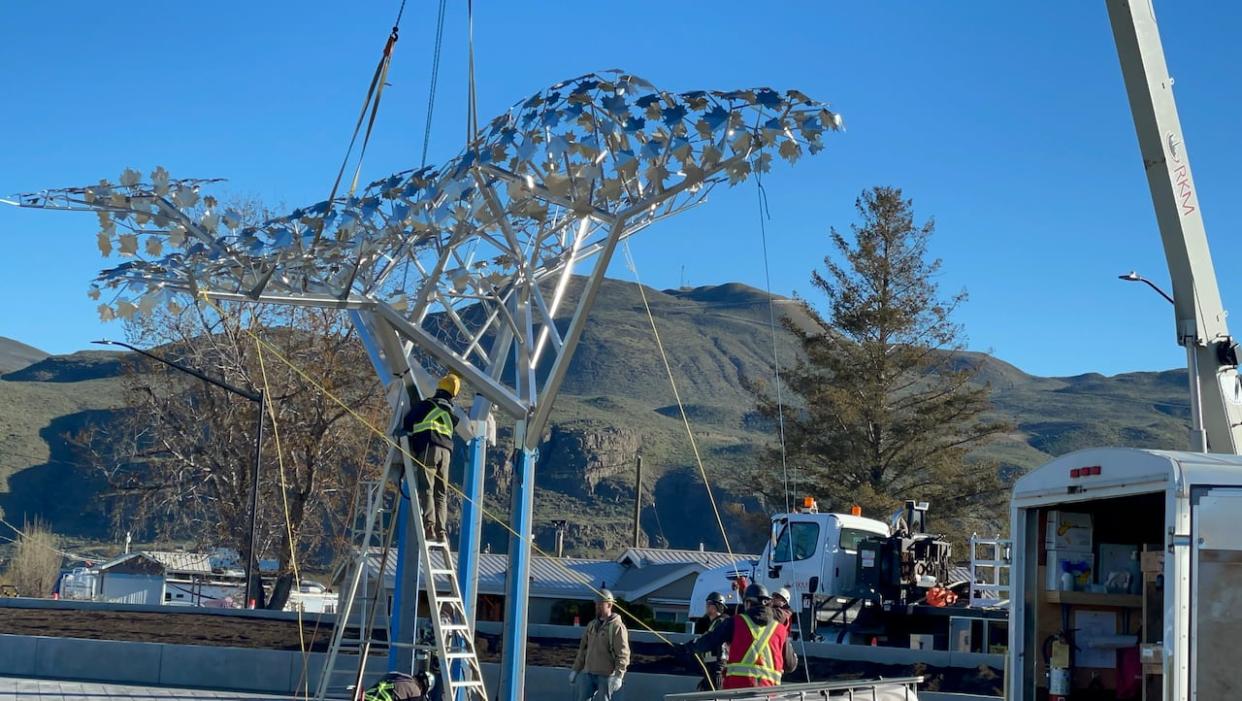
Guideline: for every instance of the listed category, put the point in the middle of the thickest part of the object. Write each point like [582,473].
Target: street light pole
[1198,437]
[261,400]
[1135,277]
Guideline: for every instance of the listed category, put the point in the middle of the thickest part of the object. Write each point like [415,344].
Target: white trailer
[1178,511]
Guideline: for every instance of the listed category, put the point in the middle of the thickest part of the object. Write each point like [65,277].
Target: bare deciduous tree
[180,462]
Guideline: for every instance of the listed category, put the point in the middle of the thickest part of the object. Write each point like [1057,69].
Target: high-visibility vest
[383,691]
[761,662]
[437,420]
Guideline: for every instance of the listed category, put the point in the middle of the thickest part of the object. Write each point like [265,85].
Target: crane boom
[1216,396]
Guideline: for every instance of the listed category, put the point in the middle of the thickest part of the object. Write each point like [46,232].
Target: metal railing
[989,571]
[897,689]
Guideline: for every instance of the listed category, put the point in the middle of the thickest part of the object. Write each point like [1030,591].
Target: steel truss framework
[466,266]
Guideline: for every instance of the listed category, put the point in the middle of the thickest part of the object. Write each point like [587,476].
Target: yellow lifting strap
[757,663]
[437,420]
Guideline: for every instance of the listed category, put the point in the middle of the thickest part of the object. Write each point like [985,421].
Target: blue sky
[1007,122]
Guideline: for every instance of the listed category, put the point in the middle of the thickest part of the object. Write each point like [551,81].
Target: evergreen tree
[885,406]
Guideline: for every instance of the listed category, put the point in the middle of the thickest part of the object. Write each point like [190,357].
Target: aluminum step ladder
[452,632]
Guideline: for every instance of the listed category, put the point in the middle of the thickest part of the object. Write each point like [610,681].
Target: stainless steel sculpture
[470,262]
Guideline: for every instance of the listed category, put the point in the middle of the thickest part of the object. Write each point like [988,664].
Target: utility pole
[638,500]
[559,525]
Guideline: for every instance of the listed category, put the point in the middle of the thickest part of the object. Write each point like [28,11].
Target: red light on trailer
[1095,469]
[1076,473]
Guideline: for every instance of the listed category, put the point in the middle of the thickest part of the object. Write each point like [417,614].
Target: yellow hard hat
[450,383]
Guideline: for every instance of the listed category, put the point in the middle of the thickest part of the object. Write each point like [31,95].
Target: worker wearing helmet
[395,686]
[780,607]
[759,647]
[430,424]
[603,654]
[713,659]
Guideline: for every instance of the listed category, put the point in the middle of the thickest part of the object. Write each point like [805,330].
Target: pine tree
[885,405]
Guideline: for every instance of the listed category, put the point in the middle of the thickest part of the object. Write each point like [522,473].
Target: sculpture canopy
[454,249]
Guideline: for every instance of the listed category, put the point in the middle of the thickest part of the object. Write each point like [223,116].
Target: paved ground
[13,688]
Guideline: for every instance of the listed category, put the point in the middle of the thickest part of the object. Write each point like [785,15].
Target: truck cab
[1126,577]
[814,554]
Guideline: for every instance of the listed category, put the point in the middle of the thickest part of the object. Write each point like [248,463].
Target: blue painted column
[472,520]
[517,585]
[402,620]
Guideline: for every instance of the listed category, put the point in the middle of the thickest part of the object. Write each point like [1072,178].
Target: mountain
[616,402]
[15,355]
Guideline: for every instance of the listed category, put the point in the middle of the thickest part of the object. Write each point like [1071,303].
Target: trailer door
[1216,609]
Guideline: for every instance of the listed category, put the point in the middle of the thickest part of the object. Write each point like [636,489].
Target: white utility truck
[810,553]
[860,580]
[1127,564]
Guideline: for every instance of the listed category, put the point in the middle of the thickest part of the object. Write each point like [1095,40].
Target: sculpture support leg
[517,585]
[401,623]
[472,525]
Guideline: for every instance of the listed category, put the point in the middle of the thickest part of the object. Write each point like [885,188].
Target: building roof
[220,560]
[634,575]
[173,561]
[637,583]
[642,557]
[562,578]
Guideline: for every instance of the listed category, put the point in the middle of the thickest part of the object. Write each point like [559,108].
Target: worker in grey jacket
[603,654]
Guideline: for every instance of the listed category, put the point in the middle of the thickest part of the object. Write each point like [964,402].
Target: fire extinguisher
[1060,672]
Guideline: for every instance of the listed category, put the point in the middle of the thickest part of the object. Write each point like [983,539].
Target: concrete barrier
[97,660]
[236,668]
[831,651]
[17,655]
[274,671]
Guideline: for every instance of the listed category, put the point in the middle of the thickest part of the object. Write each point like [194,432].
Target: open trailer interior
[1128,578]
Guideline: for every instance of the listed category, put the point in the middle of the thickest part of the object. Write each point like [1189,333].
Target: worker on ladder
[760,651]
[430,424]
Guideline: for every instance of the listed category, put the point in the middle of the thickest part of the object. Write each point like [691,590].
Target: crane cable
[668,369]
[372,101]
[472,105]
[766,214]
[435,78]
[579,577]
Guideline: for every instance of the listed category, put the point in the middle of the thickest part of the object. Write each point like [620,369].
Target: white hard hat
[783,592]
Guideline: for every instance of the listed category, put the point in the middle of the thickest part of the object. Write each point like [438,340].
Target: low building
[174,578]
[562,589]
[133,579]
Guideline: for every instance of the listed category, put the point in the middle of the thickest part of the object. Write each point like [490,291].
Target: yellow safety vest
[382,692]
[437,420]
[757,663]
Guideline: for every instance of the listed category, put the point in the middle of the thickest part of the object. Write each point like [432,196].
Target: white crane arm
[1216,396]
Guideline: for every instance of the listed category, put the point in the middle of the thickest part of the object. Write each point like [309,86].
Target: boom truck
[1127,564]
[858,579]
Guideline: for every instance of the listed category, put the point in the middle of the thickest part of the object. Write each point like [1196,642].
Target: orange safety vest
[756,654]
